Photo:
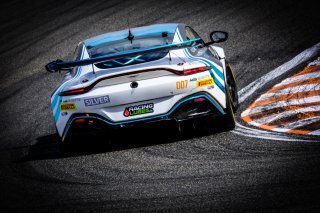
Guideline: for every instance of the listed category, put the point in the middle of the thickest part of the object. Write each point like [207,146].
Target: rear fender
[219,51]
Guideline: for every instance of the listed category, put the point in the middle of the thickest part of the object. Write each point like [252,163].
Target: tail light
[197,100]
[73,92]
[80,120]
[195,70]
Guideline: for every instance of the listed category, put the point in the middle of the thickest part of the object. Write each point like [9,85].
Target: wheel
[232,101]
[64,146]
[232,87]
[228,121]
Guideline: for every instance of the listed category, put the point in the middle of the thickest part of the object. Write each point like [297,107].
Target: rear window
[125,45]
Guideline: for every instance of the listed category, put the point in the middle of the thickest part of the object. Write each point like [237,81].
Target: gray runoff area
[149,169]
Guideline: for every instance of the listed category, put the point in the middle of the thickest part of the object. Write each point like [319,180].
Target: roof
[137,31]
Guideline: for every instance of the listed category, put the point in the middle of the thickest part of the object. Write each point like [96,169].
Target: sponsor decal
[182,84]
[199,78]
[138,109]
[64,113]
[211,87]
[205,82]
[68,106]
[71,100]
[96,100]
[203,77]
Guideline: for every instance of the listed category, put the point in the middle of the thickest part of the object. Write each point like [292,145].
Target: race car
[155,73]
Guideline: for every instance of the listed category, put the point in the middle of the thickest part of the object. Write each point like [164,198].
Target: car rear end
[165,86]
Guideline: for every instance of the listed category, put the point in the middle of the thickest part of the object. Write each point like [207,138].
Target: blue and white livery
[144,74]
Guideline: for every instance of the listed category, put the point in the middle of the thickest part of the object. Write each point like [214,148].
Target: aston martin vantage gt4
[145,74]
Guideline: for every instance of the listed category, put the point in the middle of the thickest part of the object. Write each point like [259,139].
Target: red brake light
[80,120]
[73,92]
[197,100]
[196,70]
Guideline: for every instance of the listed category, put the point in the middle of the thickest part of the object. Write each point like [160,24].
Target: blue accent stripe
[218,72]
[220,86]
[150,118]
[206,62]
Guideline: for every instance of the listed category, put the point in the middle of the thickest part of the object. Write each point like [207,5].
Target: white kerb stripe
[281,104]
[302,57]
[300,78]
[300,88]
[317,132]
[274,117]
[300,123]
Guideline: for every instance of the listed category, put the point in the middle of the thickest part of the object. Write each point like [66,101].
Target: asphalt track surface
[150,169]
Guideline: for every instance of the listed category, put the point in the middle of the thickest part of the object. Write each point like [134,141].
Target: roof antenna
[130,36]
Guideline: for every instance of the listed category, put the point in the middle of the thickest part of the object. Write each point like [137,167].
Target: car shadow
[47,147]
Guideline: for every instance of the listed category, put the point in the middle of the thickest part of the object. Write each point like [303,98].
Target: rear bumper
[191,107]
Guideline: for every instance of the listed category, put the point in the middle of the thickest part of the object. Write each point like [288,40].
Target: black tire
[232,101]
[65,147]
[229,122]
[232,87]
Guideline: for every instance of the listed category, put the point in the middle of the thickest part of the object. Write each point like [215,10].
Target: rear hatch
[131,77]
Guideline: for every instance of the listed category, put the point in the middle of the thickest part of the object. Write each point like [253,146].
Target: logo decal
[203,77]
[64,113]
[205,82]
[97,100]
[138,109]
[68,107]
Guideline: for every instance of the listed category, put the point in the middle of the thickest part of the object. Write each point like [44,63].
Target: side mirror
[217,37]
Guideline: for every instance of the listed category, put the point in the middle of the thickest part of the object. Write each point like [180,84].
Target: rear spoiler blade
[58,65]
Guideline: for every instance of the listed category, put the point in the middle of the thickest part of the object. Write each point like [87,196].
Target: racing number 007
[182,84]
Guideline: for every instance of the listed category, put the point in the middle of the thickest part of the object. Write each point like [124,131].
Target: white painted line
[302,57]
[256,131]
[271,137]
[316,62]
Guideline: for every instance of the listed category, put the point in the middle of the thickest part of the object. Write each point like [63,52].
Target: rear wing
[58,65]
